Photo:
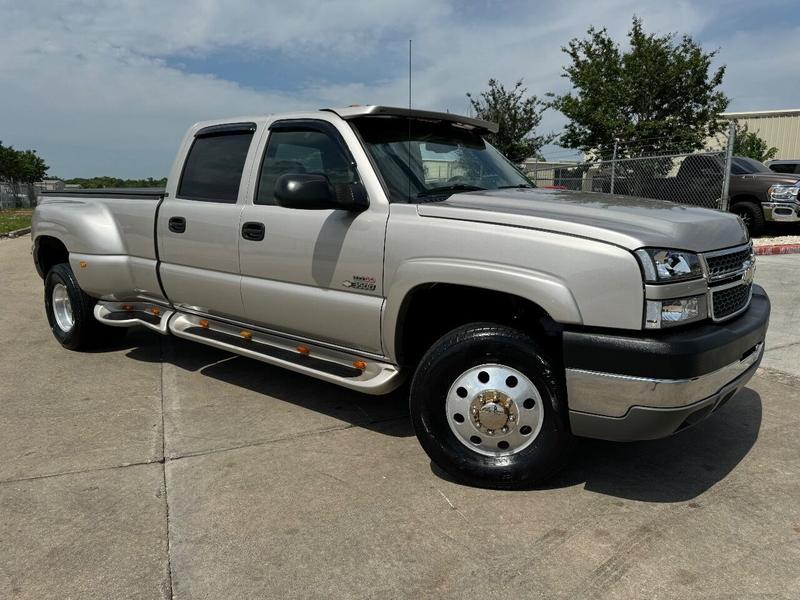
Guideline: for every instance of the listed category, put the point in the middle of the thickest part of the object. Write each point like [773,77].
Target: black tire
[752,215]
[470,346]
[86,332]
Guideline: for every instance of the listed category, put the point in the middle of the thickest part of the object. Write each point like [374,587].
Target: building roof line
[756,113]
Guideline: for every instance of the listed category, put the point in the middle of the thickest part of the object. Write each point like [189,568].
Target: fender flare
[545,290]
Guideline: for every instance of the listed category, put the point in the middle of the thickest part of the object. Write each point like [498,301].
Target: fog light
[677,311]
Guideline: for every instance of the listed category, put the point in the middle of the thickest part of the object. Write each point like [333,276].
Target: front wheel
[489,408]
[752,216]
[70,312]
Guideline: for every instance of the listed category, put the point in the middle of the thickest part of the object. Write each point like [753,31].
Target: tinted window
[784,167]
[744,166]
[214,166]
[301,152]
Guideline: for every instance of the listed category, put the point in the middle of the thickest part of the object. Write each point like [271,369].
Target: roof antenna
[410,168]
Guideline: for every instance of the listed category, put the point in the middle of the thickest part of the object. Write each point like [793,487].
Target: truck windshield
[437,160]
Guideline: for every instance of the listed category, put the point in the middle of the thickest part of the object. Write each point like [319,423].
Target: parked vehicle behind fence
[791,167]
[755,193]
[336,244]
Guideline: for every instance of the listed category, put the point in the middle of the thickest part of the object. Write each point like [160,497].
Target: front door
[316,274]
[198,223]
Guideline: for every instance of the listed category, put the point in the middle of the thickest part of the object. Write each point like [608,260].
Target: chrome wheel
[62,308]
[494,410]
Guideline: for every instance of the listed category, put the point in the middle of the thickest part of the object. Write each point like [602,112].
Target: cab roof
[355,111]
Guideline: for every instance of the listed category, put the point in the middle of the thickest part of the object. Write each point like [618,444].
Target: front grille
[722,265]
[731,300]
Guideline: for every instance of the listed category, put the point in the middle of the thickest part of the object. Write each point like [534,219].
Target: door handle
[177,224]
[253,231]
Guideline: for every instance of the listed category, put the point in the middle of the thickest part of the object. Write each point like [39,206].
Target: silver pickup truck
[369,245]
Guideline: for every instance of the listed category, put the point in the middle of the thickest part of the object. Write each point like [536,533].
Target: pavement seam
[170,459]
[169,585]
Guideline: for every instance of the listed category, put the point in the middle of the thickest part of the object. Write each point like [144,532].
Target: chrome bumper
[652,409]
[627,387]
[614,395]
[781,211]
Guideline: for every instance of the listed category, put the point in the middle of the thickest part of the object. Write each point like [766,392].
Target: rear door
[316,274]
[198,223]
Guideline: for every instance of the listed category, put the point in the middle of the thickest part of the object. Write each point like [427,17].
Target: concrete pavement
[163,469]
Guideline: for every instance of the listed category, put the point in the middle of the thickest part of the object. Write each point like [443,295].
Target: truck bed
[110,234]
[131,193]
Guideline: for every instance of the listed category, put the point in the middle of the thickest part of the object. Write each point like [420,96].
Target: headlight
[678,311]
[666,266]
[783,192]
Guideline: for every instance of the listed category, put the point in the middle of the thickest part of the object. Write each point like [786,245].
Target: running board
[128,314]
[334,366]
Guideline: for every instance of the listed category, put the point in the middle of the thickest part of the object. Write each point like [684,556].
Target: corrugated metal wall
[779,128]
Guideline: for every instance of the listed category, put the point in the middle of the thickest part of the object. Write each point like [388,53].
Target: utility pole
[724,200]
[614,163]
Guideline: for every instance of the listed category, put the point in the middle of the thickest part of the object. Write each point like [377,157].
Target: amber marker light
[360,365]
[83,264]
[155,311]
[248,335]
[303,350]
[203,323]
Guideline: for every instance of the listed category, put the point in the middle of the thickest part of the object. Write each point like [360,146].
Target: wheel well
[745,198]
[431,310]
[49,251]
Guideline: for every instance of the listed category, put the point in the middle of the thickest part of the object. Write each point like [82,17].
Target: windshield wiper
[456,187]
[518,186]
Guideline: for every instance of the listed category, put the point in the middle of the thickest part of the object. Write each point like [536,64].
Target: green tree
[518,116]
[748,143]
[658,95]
[20,167]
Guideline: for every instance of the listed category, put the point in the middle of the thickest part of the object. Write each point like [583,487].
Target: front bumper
[781,211]
[649,386]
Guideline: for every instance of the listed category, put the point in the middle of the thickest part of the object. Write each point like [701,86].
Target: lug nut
[504,429]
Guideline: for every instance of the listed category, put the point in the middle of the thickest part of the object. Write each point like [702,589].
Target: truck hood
[771,177]
[621,220]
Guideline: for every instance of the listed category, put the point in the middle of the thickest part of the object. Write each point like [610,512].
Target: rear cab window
[212,171]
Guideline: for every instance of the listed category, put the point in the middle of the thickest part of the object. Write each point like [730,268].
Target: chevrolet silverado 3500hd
[369,244]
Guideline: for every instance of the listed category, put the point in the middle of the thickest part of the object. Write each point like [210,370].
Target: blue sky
[107,88]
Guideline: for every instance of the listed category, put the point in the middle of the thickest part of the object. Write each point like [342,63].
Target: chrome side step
[128,314]
[347,370]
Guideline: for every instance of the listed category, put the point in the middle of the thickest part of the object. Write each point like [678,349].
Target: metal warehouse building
[779,128]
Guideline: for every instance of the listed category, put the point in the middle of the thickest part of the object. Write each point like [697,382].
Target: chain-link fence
[639,169]
[698,179]
[17,195]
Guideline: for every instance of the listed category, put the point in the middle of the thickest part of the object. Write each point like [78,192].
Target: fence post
[724,199]
[613,163]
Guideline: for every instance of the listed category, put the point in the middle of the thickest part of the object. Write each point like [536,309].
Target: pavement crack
[169,589]
[452,506]
[81,471]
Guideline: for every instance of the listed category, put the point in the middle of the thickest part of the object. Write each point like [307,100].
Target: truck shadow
[674,469]
[387,414]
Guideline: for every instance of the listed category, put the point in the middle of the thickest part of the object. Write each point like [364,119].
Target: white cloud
[88,83]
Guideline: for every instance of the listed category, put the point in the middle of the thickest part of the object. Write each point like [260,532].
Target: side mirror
[310,191]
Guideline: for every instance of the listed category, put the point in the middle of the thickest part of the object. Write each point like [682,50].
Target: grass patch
[15,218]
